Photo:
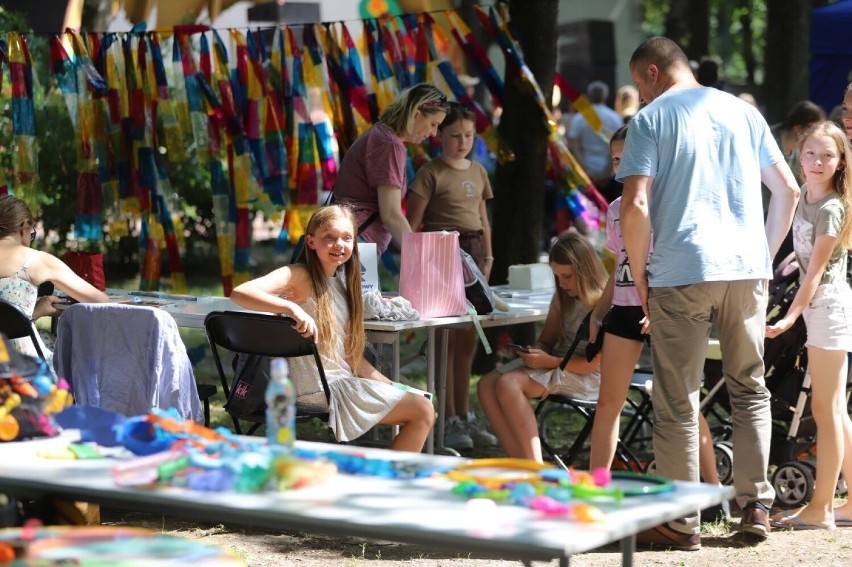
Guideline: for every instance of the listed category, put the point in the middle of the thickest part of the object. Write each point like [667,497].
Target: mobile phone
[519,348]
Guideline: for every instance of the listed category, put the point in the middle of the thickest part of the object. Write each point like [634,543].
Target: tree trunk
[518,209]
[688,24]
[747,41]
[788,24]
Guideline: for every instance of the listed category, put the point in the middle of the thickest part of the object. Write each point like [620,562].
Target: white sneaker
[455,434]
[478,433]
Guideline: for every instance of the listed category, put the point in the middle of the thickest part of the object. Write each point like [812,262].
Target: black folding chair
[565,423]
[263,335]
[15,325]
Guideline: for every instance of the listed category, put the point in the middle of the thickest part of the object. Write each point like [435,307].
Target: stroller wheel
[724,461]
[651,467]
[794,484]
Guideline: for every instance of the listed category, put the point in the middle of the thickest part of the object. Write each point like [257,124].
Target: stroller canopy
[830,67]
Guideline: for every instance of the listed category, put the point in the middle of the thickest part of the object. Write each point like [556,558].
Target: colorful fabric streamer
[265,120]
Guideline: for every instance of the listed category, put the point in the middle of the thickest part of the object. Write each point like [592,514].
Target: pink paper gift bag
[431,274]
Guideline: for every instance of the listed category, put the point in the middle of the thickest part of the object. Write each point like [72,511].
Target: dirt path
[720,547]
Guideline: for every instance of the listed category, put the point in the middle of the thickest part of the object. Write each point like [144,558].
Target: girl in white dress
[322,293]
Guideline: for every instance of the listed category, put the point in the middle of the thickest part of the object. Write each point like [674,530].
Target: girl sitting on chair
[322,293]
[504,392]
[23,269]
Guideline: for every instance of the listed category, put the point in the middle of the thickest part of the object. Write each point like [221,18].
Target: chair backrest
[260,334]
[15,325]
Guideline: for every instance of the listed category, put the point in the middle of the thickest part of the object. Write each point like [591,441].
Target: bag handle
[583,329]
[474,317]
[361,227]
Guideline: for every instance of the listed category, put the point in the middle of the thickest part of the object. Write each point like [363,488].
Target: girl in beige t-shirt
[449,193]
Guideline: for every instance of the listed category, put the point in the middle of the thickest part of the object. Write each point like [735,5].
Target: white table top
[421,511]
[192,314]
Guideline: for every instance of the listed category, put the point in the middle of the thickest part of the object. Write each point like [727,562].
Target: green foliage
[54,135]
[654,22]
[730,44]
[12,21]
[57,166]
[727,40]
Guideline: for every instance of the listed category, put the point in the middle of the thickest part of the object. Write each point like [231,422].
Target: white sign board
[369,267]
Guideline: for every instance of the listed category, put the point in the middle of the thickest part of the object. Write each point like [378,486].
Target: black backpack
[476,287]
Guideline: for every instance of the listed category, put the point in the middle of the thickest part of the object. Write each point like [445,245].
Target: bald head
[662,52]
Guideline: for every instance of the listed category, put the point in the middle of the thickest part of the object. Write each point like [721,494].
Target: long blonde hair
[841,182]
[327,326]
[574,249]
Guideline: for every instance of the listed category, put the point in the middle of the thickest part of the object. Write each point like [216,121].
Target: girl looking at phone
[505,392]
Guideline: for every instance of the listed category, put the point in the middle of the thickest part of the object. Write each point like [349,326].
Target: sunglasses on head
[439,103]
[32,230]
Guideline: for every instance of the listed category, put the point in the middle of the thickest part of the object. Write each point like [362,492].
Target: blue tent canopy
[830,68]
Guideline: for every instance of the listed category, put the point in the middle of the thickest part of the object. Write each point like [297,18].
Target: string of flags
[265,111]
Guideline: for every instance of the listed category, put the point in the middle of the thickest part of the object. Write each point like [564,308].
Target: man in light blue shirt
[692,167]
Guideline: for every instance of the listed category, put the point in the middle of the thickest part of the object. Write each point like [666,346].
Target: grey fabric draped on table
[125,358]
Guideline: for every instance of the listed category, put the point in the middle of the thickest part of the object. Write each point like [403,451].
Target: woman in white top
[23,269]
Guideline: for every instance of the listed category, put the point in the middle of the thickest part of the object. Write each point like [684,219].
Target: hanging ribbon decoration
[341,114]
[243,186]
[272,152]
[480,62]
[113,166]
[319,107]
[302,153]
[4,183]
[382,78]
[250,120]
[163,197]
[359,96]
[395,50]
[279,79]
[78,87]
[166,106]
[214,71]
[24,145]
[585,214]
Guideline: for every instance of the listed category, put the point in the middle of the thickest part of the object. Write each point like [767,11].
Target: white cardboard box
[531,276]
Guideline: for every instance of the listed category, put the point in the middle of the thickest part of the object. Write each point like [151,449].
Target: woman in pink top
[372,178]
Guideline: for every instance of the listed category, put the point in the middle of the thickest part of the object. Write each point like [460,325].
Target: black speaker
[44,16]
[586,53]
[291,13]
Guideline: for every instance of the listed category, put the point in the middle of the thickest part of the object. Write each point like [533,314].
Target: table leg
[396,373]
[441,385]
[628,546]
[430,386]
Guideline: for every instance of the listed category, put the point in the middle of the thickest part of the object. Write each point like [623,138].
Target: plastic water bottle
[280,407]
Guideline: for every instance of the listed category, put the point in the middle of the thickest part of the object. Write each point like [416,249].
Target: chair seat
[562,399]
